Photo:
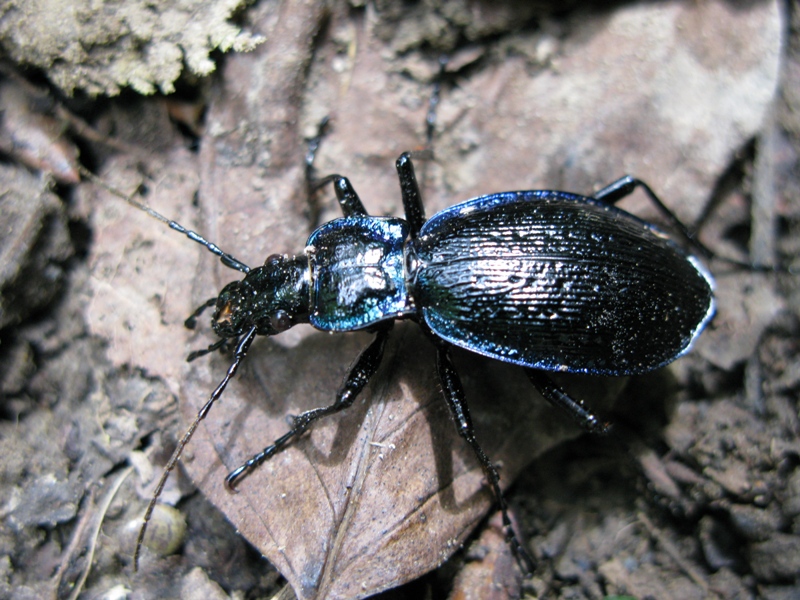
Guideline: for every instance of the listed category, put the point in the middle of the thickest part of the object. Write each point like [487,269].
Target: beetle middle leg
[349,200]
[453,392]
[359,376]
[409,189]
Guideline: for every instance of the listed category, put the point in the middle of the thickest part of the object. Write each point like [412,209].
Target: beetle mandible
[548,280]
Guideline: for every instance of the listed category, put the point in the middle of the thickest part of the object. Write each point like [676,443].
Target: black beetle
[548,280]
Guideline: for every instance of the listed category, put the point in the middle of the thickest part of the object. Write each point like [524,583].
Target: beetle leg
[311,152]
[409,189]
[360,374]
[456,401]
[621,188]
[348,199]
[433,102]
[625,185]
[221,343]
[191,321]
[559,398]
[345,193]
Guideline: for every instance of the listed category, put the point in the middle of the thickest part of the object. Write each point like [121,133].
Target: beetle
[547,280]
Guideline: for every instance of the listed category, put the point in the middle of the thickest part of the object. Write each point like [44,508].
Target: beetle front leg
[345,193]
[348,198]
[191,321]
[358,377]
[456,401]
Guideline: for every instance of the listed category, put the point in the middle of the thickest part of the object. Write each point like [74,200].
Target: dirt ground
[695,494]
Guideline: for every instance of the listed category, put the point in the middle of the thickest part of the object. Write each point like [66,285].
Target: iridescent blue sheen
[357,274]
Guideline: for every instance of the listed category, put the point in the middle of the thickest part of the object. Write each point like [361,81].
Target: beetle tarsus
[233,478]
[562,400]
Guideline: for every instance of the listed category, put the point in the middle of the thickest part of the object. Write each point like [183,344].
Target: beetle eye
[272,259]
[280,321]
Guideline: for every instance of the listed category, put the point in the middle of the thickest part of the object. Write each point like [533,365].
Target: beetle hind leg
[456,401]
[560,399]
[625,186]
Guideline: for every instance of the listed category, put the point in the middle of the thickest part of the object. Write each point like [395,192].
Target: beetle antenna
[226,259]
[241,352]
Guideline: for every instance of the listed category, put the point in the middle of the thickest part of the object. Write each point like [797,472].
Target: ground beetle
[547,280]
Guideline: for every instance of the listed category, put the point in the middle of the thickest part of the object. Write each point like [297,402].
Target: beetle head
[272,298]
